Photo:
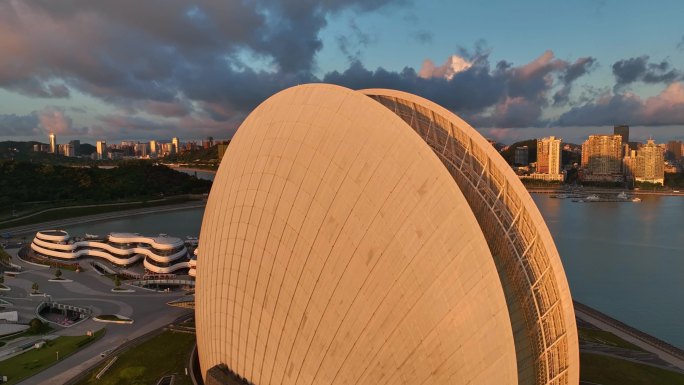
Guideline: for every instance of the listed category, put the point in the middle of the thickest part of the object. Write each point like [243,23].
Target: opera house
[161,255]
[373,237]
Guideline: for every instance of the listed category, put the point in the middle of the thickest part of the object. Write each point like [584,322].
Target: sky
[130,70]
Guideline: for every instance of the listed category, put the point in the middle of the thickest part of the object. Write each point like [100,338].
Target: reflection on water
[625,259]
[179,224]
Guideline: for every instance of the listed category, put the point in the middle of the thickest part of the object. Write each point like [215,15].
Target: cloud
[636,69]
[453,65]
[18,125]
[117,50]
[501,96]
[666,108]
[423,36]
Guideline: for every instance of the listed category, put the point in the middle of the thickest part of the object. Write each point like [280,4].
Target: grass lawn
[165,354]
[605,338]
[612,371]
[35,360]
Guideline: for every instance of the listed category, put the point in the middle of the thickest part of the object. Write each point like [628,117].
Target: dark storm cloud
[120,50]
[579,68]
[18,125]
[503,96]
[635,69]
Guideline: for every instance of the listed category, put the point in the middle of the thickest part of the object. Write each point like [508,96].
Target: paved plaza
[147,308]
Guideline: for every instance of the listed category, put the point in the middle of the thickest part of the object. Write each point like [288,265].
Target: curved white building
[373,237]
[161,255]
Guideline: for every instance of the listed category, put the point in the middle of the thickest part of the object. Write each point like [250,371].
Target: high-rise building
[154,148]
[674,149]
[208,142]
[602,154]
[67,149]
[77,146]
[176,145]
[142,150]
[650,164]
[629,163]
[549,155]
[101,147]
[222,147]
[53,143]
[522,156]
[623,131]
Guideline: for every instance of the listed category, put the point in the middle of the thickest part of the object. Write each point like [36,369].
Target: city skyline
[102,71]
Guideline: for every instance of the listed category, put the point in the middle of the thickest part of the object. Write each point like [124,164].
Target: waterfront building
[160,255]
[549,155]
[602,154]
[629,163]
[650,164]
[369,237]
[101,148]
[623,131]
[53,143]
[522,156]
[674,149]
[176,145]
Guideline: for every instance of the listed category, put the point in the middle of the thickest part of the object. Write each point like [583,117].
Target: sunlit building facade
[368,237]
[602,154]
[650,164]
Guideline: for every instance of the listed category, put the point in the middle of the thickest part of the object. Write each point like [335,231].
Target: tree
[2,278]
[117,281]
[35,326]
[58,273]
[35,287]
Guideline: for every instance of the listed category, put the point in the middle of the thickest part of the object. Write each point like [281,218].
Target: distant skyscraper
[53,143]
[222,147]
[674,149]
[623,131]
[650,164]
[602,154]
[548,155]
[154,148]
[176,144]
[522,156]
[142,149]
[77,146]
[101,147]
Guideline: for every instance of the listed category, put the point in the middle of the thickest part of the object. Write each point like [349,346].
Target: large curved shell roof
[529,265]
[337,249]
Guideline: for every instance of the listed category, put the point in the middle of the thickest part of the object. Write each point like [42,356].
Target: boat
[636,199]
[622,195]
[592,198]
[91,236]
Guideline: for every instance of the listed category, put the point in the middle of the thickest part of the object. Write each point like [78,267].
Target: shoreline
[193,169]
[32,228]
[600,190]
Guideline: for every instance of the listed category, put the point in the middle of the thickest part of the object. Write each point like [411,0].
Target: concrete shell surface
[336,248]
